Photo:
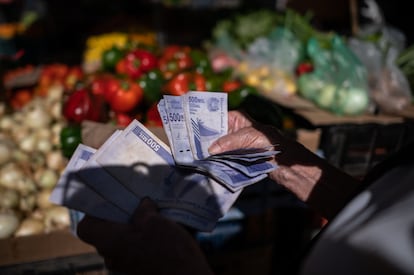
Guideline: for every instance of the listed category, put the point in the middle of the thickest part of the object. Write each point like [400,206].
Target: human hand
[150,244]
[309,177]
[243,132]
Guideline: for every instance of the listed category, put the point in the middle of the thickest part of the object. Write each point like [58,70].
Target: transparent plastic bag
[270,61]
[338,82]
[388,86]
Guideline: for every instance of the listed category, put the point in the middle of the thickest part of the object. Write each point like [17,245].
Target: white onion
[19,133]
[28,143]
[55,160]
[7,123]
[5,153]
[44,145]
[56,217]
[30,226]
[44,133]
[36,115]
[25,186]
[38,161]
[46,178]
[27,203]
[10,174]
[42,198]
[9,198]
[8,224]
[21,157]
[56,110]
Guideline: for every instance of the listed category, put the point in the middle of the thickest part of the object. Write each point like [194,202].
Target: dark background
[60,35]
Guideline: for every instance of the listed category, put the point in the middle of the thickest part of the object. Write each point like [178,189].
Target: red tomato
[153,118]
[303,68]
[231,85]
[123,119]
[128,95]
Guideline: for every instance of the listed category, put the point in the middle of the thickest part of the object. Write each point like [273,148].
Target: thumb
[145,209]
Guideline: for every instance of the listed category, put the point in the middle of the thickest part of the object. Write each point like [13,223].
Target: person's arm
[150,244]
[311,178]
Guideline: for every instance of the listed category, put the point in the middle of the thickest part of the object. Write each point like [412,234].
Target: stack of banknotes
[188,184]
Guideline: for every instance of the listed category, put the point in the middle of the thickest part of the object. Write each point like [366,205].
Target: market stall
[314,85]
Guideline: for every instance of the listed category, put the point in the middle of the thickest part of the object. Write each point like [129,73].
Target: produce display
[123,76]
[130,78]
[44,106]
[282,54]
[30,165]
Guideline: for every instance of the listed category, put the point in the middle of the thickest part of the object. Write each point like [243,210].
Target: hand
[238,120]
[310,178]
[150,244]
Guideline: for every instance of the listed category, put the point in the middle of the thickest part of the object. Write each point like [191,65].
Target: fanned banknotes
[189,185]
[192,122]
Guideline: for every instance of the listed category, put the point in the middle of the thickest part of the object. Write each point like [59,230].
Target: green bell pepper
[152,83]
[70,137]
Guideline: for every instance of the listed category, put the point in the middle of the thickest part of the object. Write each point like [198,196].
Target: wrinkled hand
[309,177]
[243,132]
[150,244]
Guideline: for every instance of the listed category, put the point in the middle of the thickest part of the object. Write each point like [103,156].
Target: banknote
[179,142]
[103,183]
[164,118]
[88,201]
[226,175]
[250,169]
[145,166]
[188,184]
[72,193]
[206,115]
[247,154]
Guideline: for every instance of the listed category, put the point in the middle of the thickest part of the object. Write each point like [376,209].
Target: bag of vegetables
[338,81]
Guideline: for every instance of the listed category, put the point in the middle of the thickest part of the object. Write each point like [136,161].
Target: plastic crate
[357,148]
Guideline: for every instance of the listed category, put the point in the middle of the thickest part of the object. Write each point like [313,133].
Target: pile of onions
[30,165]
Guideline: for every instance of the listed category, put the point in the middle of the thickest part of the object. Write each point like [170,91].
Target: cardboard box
[41,247]
[319,117]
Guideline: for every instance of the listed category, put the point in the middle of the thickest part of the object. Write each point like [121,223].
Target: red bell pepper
[83,105]
[136,63]
[175,59]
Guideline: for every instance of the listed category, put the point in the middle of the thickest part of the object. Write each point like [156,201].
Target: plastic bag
[270,61]
[338,82]
[388,86]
